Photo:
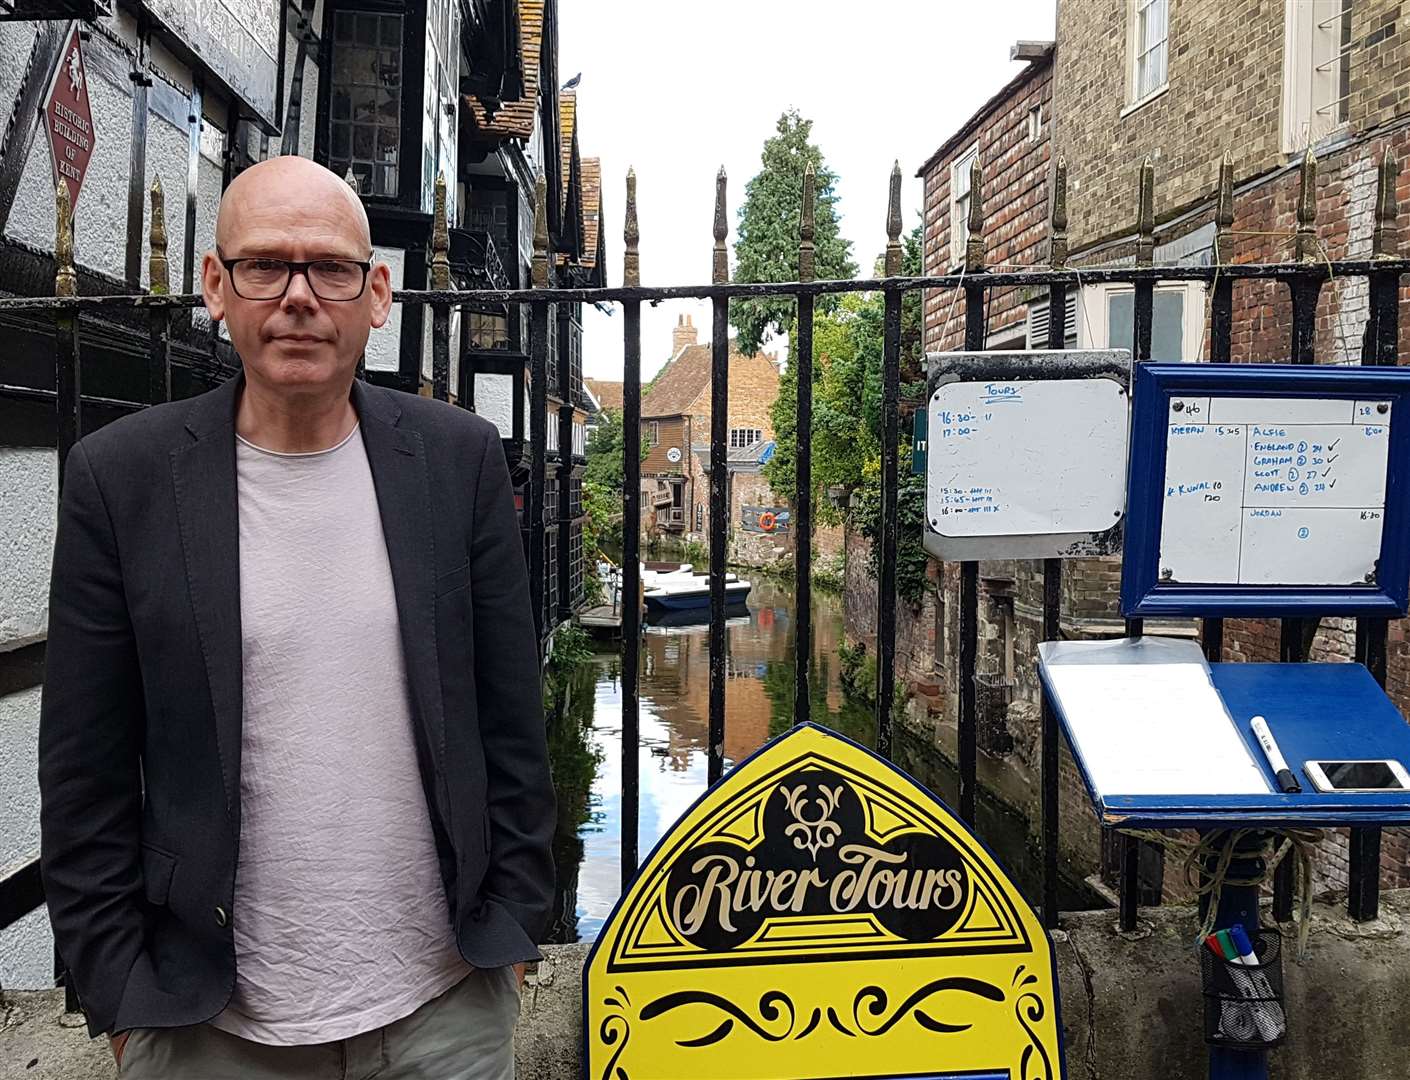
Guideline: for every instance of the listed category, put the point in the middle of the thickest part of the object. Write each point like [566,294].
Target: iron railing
[1304,279]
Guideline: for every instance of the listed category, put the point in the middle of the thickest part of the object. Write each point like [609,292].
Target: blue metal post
[1239,904]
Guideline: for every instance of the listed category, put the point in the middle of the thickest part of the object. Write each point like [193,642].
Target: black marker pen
[1286,781]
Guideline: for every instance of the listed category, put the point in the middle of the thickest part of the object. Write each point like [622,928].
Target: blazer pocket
[453,580]
[157,869]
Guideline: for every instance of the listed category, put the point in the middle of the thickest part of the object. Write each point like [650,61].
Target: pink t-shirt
[340,916]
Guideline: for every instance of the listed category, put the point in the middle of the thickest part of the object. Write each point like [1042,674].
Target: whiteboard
[1274,491]
[1026,457]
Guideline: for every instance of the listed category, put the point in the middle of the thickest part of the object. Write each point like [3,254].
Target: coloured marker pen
[1286,781]
[1227,946]
[1243,945]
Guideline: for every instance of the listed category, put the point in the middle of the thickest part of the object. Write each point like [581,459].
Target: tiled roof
[608,394]
[567,120]
[592,208]
[515,119]
[682,381]
[679,383]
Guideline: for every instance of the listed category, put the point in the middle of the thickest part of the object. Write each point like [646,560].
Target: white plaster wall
[494,400]
[19,768]
[27,953]
[455,326]
[308,108]
[383,345]
[27,948]
[29,485]
[28,511]
[16,41]
[100,231]
[426,324]
[208,175]
[100,222]
[167,150]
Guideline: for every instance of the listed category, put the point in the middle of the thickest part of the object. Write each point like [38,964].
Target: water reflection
[585,740]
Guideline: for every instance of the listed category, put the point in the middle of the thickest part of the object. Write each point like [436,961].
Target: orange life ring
[767,520]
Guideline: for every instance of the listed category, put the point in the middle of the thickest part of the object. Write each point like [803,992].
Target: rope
[959,287]
[1219,265]
[1220,848]
[954,296]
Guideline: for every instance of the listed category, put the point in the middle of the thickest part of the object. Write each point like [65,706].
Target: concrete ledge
[1131,1006]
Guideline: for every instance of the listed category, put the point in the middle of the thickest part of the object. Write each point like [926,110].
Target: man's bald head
[290,182]
[297,344]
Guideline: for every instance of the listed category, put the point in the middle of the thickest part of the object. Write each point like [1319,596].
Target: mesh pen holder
[1243,1005]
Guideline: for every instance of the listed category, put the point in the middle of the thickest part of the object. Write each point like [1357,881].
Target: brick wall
[1225,64]
[1225,77]
[1014,189]
[1267,217]
[829,541]
[697,489]
[1015,198]
[753,386]
[1225,93]
[754,548]
[916,628]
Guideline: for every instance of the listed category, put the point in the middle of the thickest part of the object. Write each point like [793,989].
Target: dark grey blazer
[142,688]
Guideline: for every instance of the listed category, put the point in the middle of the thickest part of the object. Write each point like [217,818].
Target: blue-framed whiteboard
[1268,490]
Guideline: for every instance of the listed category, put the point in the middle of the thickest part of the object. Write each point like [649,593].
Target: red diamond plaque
[69,119]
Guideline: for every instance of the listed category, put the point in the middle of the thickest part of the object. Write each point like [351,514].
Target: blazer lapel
[401,478]
[204,475]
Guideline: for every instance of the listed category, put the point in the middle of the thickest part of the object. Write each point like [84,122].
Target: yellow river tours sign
[818,914]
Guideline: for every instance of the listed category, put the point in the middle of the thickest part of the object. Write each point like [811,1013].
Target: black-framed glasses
[260,277]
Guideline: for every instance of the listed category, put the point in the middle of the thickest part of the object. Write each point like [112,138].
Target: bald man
[296,806]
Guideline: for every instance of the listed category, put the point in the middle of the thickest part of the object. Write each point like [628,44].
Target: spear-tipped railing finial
[65,276]
[720,270]
[158,273]
[631,235]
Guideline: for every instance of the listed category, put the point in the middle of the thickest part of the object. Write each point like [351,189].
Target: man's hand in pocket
[118,1041]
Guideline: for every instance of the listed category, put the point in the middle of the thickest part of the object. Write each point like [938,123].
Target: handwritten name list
[1274,491]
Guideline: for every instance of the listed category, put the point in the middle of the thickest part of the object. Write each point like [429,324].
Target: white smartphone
[1382,775]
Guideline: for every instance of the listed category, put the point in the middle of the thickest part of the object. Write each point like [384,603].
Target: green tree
[605,452]
[766,245]
[848,346]
[603,486]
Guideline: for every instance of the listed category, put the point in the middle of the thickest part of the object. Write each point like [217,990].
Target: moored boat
[683,590]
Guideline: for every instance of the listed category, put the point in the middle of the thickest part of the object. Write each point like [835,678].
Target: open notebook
[1145,718]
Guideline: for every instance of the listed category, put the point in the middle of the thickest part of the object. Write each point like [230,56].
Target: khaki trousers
[467,1033]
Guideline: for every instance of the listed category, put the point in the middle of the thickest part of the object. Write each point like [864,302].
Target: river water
[585,744]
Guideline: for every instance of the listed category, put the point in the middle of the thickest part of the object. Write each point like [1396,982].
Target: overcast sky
[677,89]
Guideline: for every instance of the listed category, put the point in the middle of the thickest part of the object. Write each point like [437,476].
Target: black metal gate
[1304,279]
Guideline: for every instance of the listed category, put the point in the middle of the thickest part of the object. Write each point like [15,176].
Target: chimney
[1031,51]
[682,335]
